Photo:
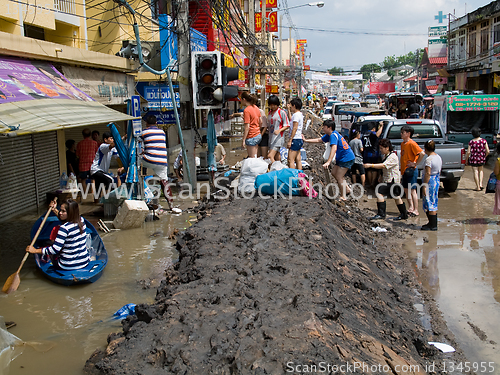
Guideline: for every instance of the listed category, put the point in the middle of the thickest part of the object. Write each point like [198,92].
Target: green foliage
[391,62]
[336,71]
[370,68]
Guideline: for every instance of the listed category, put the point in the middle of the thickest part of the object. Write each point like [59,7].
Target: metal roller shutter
[17,176]
[46,158]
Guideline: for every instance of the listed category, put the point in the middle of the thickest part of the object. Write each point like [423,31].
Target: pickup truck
[452,153]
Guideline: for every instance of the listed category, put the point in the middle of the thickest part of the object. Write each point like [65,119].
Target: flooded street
[69,323]
[460,266]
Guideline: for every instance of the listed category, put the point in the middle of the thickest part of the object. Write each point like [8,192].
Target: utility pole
[282,72]
[290,61]
[418,83]
[263,31]
[186,109]
[251,48]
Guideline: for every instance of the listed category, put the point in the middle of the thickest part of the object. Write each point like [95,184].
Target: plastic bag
[284,181]
[277,166]
[250,169]
[305,188]
[492,183]
[10,347]
[328,149]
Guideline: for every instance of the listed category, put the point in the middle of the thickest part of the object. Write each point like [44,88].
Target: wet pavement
[459,265]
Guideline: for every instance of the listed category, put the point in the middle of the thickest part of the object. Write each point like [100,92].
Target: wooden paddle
[14,280]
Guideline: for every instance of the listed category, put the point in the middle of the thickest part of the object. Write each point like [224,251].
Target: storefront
[37,105]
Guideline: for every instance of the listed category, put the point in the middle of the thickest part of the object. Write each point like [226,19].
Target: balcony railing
[65,6]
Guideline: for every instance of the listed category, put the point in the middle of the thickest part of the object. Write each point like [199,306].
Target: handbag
[492,183]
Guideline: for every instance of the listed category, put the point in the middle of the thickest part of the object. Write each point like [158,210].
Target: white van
[339,118]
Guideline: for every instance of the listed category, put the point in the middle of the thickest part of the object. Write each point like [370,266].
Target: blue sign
[135,108]
[440,17]
[158,95]
[168,40]
[163,118]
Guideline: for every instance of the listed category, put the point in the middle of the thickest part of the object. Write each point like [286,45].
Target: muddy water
[77,320]
[460,266]
[69,323]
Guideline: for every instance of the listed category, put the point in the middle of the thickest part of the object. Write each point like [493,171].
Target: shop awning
[42,115]
[36,97]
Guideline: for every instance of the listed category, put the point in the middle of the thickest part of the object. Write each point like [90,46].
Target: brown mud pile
[275,286]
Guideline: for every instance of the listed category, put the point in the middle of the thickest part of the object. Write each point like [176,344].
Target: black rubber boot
[403,213]
[428,221]
[381,208]
[433,223]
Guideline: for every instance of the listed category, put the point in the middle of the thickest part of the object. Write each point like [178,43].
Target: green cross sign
[440,17]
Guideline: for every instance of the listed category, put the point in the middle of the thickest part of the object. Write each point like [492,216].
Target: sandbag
[250,169]
[277,166]
[284,181]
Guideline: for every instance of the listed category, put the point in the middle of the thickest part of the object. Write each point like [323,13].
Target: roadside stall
[458,114]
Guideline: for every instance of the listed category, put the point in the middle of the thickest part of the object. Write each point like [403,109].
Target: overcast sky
[367,17]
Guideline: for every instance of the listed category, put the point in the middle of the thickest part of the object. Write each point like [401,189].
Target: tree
[336,71]
[370,68]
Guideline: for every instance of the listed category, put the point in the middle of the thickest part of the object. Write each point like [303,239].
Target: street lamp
[319,4]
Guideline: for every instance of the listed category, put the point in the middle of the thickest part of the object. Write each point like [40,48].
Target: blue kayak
[89,274]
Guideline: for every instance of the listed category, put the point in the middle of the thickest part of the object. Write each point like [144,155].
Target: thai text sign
[272,22]
[474,103]
[438,31]
[269,4]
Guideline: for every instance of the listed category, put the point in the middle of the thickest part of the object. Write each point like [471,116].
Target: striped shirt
[155,146]
[70,247]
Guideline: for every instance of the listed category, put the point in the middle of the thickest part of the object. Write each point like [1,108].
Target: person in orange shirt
[411,156]
[252,120]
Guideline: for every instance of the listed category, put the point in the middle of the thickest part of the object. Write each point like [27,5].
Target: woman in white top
[391,181]
[431,181]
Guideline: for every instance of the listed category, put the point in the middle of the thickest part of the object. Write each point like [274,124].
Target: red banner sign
[307,67]
[269,4]
[382,87]
[301,41]
[272,22]
[272,89]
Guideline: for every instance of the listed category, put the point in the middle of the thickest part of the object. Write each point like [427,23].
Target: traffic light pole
[263,31]
[186,110]
[251,49]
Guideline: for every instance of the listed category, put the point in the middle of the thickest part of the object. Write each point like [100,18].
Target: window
[496,34]
[485,40]
[461,48]
[485,23]
[424,131]
[34,32]
[472,44]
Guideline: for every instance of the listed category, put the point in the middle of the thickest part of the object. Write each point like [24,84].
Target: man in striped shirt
[155,154]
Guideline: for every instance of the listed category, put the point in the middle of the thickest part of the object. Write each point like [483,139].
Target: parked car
[452,153]
[327,113]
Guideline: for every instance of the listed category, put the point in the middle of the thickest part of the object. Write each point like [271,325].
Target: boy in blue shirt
[340,151]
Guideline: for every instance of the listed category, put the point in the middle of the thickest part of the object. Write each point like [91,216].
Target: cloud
[366,17]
